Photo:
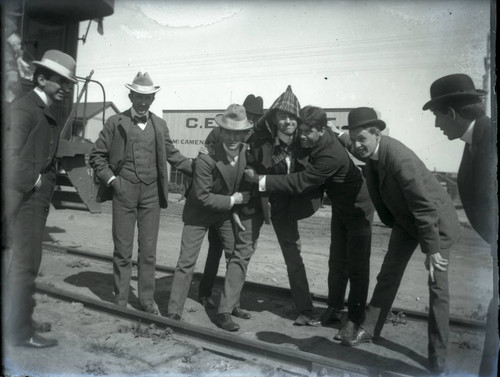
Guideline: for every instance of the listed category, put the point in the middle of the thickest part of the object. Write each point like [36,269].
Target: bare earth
[94,344]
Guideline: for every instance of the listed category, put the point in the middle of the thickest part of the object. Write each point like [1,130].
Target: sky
[334,54]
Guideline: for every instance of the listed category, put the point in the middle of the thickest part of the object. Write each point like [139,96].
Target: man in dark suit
[254,107]
[459,110]
[411,201]
[211,198]
[129,158]
[30,143]
[321,160]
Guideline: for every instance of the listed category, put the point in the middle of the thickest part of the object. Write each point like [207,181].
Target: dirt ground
[93,344]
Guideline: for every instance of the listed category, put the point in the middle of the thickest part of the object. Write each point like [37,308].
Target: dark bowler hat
[363,117]
[254,105]
[451,87]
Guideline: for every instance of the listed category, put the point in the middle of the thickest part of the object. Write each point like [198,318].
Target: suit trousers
[401,248]
[137,203]
[192,239]
[27,226]
[287,232]
[214,255]
[237,265]
[349,260]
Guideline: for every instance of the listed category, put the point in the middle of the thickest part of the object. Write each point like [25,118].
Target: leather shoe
[331,315]
[307,319]
[240,313]
[207,302]
[37,341]
[225,322]
[360,336]
[347,331]
[39,326]
[151,308]
[438,366]
[174,316]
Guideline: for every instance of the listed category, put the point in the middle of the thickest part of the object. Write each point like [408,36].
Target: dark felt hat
[254,105]
[363,117]
[453,87]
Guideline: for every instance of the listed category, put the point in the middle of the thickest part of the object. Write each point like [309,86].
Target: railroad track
[267,289]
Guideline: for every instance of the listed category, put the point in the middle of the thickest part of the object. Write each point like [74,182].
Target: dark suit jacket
[208,200]
[108,156]
[477,182]
[326,164]
[406,194]
[30,142]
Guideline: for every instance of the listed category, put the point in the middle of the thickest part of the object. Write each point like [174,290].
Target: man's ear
[40,80]
[452,113]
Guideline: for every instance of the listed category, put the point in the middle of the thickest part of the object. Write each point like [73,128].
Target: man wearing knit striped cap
[272,152]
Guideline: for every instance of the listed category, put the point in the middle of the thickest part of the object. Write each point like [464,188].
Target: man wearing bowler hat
[411,201]
[254,107]
[459,110]
[129,158]
[210,201]
[31,138]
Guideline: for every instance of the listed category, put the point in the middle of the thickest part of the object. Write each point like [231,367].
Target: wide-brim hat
[234,119]
[363,117]
[143,84]
[254,105]
[451,87]
[60,63]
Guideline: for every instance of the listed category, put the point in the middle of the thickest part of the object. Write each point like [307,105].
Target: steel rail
[267,289]
[310,362]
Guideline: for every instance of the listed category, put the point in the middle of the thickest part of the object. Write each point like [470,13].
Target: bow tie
[142,119]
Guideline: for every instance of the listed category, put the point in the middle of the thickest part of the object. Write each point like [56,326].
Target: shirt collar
[135,113]
[232,156]
[467,136]
[374,156]
[46,100]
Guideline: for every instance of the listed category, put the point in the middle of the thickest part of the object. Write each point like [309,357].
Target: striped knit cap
[286,102]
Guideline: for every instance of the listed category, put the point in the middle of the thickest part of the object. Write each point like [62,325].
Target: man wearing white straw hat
[129,158]
[210,201]
[30,142]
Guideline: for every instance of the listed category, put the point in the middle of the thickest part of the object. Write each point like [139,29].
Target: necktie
[142,119]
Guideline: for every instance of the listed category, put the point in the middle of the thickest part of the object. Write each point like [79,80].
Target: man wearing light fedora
[411,201]
[129,158]
[254,107]
[30,142]
[212,196]
[459,110]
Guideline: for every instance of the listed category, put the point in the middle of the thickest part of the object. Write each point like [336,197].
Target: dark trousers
[401,248]
[214,255]
[28,215]
[350,261]
[192,238]
[139,203]
[287,232]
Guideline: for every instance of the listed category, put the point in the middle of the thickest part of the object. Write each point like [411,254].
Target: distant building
[449,182]
[92,119]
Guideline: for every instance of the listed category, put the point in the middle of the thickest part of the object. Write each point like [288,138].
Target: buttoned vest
[140,161]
